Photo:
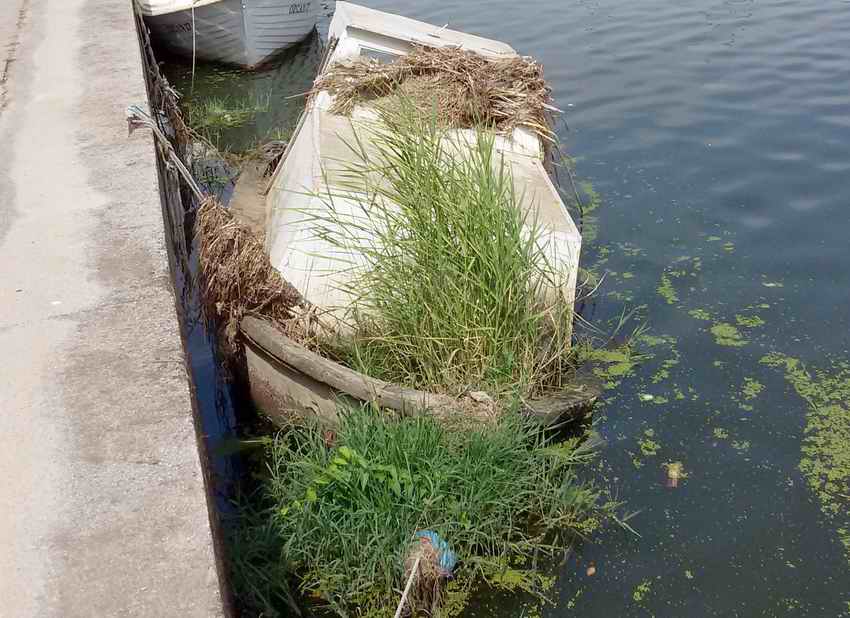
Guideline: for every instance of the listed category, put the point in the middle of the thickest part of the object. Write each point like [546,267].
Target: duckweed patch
[700,314]
[741,445]
[825,451]
[612,366]
[648,446]
[727,335]
[666,365]
[752,321]
[456,596]
[641,591]
[574,599]
[591,202]
[667,291]
[621,296]
[630,249]
[504,576]
[751,388]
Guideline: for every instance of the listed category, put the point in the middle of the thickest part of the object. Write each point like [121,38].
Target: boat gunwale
[264,337]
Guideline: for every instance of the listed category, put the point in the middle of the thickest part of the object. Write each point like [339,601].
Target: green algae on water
[700,314]
[728,335]
[641,591]
[741,445]
[613,365]
[825,451]
[589,221]
[511,579]
[751,388]
[630,249]
[648,446]
[666,366]
[667,291]
[572,602]
[753,321]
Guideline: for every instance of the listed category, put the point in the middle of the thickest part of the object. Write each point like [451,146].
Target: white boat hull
[241,32]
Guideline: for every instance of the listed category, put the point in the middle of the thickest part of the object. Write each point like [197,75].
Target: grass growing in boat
[344,515]
[456,286]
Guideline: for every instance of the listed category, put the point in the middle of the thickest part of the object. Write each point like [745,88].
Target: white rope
[407,587]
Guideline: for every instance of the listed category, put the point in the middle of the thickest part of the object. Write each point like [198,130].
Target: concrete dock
[102,503]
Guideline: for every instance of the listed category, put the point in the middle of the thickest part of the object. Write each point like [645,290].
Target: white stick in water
[407,587]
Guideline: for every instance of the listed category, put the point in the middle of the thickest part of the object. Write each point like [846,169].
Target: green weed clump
[212,116]
[455,287]
[344,515]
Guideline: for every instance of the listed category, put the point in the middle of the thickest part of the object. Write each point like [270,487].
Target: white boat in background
[241,32]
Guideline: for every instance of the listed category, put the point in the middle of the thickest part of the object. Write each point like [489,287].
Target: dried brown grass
[468,89]
[239,279]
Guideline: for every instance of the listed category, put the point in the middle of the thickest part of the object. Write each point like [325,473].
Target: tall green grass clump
[346,513]
[212,116]
[454,288]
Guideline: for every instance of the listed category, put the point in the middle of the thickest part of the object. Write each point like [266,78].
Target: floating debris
[675,473]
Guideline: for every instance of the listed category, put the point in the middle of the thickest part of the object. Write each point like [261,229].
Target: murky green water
[237,110]
[717,135]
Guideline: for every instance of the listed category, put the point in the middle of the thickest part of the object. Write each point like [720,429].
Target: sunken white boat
[305,174]
[286,379]
[240,32]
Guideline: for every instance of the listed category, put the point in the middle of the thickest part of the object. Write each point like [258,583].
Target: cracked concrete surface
[102,504]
